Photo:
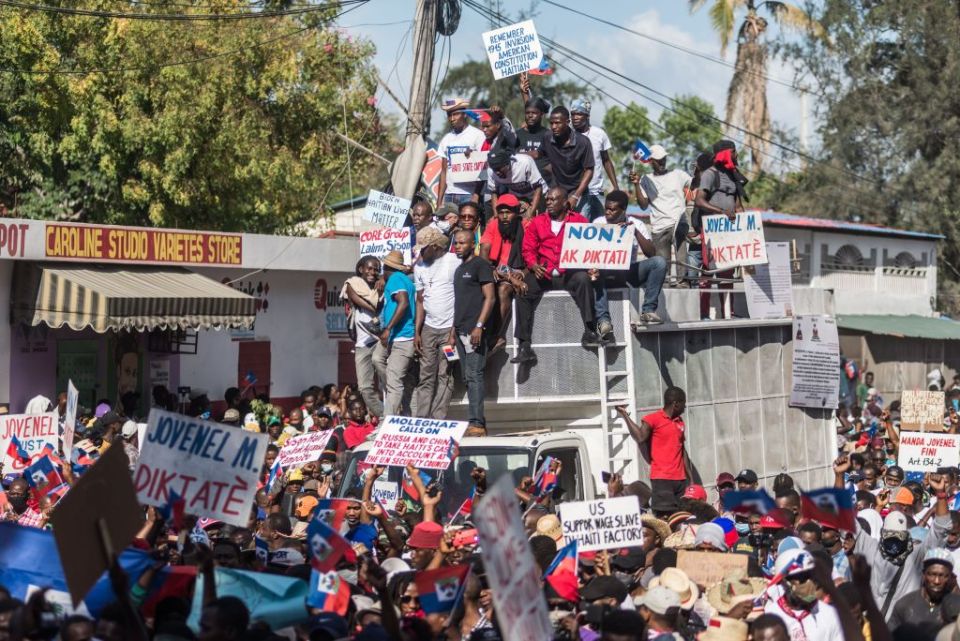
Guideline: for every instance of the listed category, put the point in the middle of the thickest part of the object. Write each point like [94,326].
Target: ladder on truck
[616,364]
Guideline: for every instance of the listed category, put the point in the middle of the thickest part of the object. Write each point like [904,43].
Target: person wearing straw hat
[724,629]
[734,595]
[394,353]
[462,139]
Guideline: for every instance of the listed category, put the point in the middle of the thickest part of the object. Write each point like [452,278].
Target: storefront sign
[327,300]
[816,362]
[386,210]
[33,431]
[588,246]
[929,451]
[464,169]
[513,49]
[921,410]
[137,244]
[737,242]
[159,372]
[602,524]
[13,239]
[425,442]
[382,241]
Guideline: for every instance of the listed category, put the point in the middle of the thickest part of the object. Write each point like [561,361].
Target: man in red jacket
[542,241]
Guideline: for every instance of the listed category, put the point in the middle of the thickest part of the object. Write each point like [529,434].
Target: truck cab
[514,454]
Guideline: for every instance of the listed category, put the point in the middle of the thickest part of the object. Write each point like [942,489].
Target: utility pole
[406,170]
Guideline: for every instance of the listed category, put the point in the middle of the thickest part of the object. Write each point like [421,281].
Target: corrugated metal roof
[931,327]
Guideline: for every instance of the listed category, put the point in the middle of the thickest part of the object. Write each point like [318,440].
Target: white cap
[393,565]
[657,152]
[129,429]
[660,599]
[895,522]
[793,562]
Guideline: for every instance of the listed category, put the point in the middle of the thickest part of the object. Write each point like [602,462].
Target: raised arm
[641,432]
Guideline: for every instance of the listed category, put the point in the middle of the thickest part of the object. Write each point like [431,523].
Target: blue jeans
[472,367]
[694,260]
[649,274]
[590,206]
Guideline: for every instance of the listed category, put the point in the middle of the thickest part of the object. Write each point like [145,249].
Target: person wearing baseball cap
[502,244]
[590,204]
[795,600]
[695,492]
[747,480]
[394,353]
[920,614]
[455,147]
[659,608]
[517,175]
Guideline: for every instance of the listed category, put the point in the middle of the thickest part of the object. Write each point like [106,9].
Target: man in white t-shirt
[516,174]
[665,193]
[433,279]
[462,139]
[647,269]
[795,600]
[591,205]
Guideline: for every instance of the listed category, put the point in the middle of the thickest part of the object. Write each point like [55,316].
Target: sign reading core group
[142,245]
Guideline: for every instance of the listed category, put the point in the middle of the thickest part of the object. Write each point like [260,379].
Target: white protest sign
[303,449]
[461,169]
[70,418]
[380,242]
[921,410]
[386,493]
[769,288]
[925,452]
[512,573]
[141,435]
[33,431]
[425,442]
[386,210]
[602,524]
[214,468]
[513,49]
[733,243]
[589,246]
[816,362]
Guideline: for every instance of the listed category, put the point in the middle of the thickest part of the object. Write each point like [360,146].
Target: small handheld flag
[43,477]
[562,573]
[830,506]
[440,590]
[546,478]
[172,511]
[543,70]
[328,592]
[16,452]
[748,502]
[409,488]
[326,545]
[641,153]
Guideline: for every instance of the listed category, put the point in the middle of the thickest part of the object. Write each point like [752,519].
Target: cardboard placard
[300,450]
[589,246]
[513,49]
[463,169]
[214,468]
[34,431]
[70,418]
[512,573]
[386,210]
[925,452]
[708,568]
[769,288]
[426,442]
[816,362]
[921,411]
[386,493]
[602,524]
[105,493]
[380,242]
[733,243]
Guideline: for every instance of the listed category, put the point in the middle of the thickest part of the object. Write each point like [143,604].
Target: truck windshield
[455,482]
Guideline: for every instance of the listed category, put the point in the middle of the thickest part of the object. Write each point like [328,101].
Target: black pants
[665,495]
[577,282]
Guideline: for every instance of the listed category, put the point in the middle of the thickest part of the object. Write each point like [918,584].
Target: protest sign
[709,568]
[33,431]
[512,573]
[921,410]
[386,210]
[380,242]
[602,524]
[737,242]
[99,514]
[769,288]
[70,418]
[513,49]
[300,450]
[386,493]
[214,468]
[426,442]
[929,451]
[588,246]
[463,169]
[816,362]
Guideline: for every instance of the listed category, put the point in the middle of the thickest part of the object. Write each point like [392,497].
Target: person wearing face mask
[24,511]
[795,601]
[920,614]
[832,542]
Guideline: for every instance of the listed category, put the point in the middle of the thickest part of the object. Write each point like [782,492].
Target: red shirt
[499,248]
[541,245]
[666,446]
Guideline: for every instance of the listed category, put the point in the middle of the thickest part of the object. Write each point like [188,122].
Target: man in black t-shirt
[531,136]
[474,297]
[570,155]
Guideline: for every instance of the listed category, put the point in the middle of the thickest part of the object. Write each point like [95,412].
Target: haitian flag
[440,590]
[640,151]
[16,452]
[276,473]
[42,477]
[328,592]
[333,512]
[543,70]
[465,508]
[326,545]
[830,506]
[748,502]
[562,573]
[49,450]
[546,478]
[408,487]
[173,510]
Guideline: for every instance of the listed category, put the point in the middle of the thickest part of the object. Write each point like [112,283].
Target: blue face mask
[742,528]
[956,404]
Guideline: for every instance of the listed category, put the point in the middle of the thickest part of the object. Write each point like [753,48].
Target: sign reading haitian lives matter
[461,169]
[921,410]
[34,431]
[928,451]
[769,288]
[386,210]
[383,240]
[425,442]
[511,570]
[738,242]
[816,362]
[303,449]
[136,244]
[513,49]
[588,246]
[602,524]
[213,467]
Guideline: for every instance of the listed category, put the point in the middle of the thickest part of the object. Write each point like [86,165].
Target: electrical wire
[174,17]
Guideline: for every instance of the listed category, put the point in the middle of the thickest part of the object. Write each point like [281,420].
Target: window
[570,471]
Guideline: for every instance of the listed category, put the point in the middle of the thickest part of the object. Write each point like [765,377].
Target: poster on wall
[769,288]
[816,362]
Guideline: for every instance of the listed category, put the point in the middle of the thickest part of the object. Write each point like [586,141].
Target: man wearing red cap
[423,543]
[501,244]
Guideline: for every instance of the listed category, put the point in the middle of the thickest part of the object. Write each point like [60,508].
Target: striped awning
[110,298]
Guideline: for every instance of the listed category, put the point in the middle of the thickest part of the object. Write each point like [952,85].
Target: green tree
[211,124]
[690,128]
[625,126]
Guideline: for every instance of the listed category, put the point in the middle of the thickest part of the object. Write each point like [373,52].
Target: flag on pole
[326,545]
[748,502]
[562,573]
[830,506]
[440,590]
[328,592]
[16,452]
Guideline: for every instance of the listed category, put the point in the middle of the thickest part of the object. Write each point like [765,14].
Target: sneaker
[605,329]
[590,339]
[372,327]
[650,318]
[524,355]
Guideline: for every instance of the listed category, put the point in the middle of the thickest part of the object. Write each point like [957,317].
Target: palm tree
[747,93]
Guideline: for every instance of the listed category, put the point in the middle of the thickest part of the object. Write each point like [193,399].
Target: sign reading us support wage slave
[426,442]
[380,242]
[921,410]
[602,524]
[214,468]
[464,169]
[33,432]
[513,49]
[386,210]
[927,452]
[734,243]
[588,246]
[300,450]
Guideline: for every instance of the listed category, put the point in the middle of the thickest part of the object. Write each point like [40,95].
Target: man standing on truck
[669,463]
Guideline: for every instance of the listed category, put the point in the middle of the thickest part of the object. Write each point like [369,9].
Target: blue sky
[387,24]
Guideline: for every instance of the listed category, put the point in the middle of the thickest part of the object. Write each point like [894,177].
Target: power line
[174,17]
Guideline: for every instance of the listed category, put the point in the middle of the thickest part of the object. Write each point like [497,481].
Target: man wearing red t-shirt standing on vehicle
[669,464]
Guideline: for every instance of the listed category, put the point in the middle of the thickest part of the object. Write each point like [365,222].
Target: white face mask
[443,226]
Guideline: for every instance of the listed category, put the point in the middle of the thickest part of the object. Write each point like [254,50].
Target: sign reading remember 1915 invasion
[513,49]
